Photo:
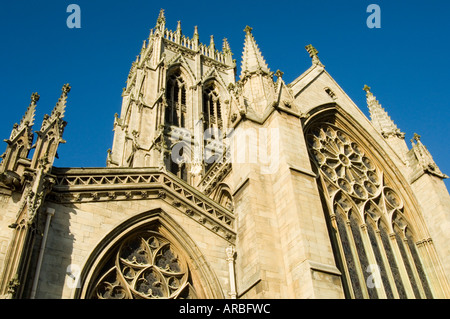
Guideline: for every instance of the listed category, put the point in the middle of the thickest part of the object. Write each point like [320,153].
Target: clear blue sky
[405,62]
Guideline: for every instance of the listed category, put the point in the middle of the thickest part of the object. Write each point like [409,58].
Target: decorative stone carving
[362,206]
[314,55]
[424,157]
[145,266]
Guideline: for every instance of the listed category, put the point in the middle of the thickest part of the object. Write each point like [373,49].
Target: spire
[252,59]
[314,55]
[380,118]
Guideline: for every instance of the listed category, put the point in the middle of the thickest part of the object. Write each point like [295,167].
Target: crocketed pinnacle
[252,59]
[380,118]
[161,21]
[60,107]
[28,118]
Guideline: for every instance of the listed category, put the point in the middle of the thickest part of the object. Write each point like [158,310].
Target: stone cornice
[85,185]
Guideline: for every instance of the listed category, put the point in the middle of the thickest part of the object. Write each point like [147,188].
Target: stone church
[225,186]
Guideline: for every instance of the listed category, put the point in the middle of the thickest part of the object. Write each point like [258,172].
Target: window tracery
[145,265]
[367,218]
[175,112]
[212,110]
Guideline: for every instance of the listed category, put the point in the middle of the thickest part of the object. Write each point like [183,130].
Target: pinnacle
[252,59]
[28,118]
[60,106]
[379,117]
[161,21]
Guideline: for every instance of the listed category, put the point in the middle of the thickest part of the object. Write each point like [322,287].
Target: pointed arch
[148,256]
[176,98]
[361,183]
[213,107]
[179,159]
[223,196]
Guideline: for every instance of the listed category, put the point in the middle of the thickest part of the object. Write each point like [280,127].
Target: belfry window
[212,112]
[374,243]
[175,112]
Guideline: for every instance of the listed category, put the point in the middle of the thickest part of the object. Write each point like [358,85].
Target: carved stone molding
[86,186]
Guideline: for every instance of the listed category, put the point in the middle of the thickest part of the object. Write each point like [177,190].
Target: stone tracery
[368,218]
[146,265]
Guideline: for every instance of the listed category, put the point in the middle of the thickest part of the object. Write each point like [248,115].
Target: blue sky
[405,62]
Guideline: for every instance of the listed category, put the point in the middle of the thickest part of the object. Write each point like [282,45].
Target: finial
[366,88]
[248,29]
[313,53]
[279,74]
[161,15]
[35,97]
[416,138]
[66,88]
[211,42]
[179,25]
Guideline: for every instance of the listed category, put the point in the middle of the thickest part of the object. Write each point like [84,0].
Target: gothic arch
[368,207]
[213,106]
[176,98]
[179,159]
[223,196]
[148,256]
[183,69]
[336,115]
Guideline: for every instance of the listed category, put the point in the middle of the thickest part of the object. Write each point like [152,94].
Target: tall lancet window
[212,111]
[374,243]
[175,112]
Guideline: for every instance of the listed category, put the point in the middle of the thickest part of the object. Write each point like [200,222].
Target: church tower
[220,185]
[177,90]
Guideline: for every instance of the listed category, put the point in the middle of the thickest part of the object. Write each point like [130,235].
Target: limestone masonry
[220,185]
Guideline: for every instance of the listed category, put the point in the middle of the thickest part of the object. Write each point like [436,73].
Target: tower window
[175,111]
[212,113]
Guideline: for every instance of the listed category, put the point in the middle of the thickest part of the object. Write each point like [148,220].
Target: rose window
[344,163]
[145,266]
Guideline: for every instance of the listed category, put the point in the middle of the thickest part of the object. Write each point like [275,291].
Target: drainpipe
[230,258]
[50,213]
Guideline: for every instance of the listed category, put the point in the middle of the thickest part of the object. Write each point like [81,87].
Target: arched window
[225,199]
[212,111]
[148,256]
[178,159]
[175,112]
[144,266]
[373,241]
